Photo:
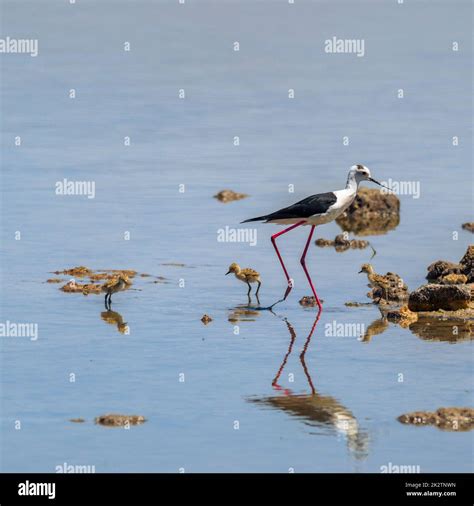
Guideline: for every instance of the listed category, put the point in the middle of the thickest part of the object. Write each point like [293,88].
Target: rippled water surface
[237,394]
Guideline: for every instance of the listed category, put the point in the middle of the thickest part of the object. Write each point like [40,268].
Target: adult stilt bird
[315,210]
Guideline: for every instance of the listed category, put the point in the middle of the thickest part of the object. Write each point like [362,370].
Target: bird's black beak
[380,184]
[228,272]
[360,271]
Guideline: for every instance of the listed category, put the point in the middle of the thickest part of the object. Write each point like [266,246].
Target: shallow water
[335,410]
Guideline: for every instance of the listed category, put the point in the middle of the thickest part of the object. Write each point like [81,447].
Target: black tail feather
[260,218]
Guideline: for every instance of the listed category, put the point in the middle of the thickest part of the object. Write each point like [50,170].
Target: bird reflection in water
[377,327]
[114,318]
[315,409]
[243,313]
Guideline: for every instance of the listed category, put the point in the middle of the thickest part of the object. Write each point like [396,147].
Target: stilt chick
[114,285]
[246,276]
[376,281]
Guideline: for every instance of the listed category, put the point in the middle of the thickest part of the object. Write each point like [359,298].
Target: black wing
[316,204]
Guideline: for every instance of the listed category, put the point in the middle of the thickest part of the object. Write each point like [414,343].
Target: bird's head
[361,173]
[367,268]
[233,268]
[125,279]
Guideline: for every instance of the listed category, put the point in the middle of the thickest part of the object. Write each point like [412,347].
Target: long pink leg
[303,263]
[290,284]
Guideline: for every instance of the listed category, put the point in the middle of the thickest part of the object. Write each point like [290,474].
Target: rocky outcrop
[434,297]
[442,268]
[372,213]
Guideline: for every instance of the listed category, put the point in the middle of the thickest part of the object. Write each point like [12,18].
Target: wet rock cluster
[442,271]
[309,301]
[444,308]
[433,297]
[229,196]
[341,243]
[453,419]
[94,281]
[206,319]
[114,420]
[372,213]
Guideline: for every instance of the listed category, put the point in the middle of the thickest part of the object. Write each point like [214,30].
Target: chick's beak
[360,271]
[228,272]
[380,184]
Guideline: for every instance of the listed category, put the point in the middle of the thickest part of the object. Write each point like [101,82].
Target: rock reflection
[315,409]
[449,330]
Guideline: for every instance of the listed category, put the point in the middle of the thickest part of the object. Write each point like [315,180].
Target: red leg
[290,284]
[303,263]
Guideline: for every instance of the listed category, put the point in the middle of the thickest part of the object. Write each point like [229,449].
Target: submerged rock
[340,243]
[94,287]
[357,304]
[86,288]
[309,301]
[78,272]
[434,297]
[403,316]
[229,195]
[54,280]
[372,213]
[468,226]
[114,420]
[206,319]
[455,419]
[77,420]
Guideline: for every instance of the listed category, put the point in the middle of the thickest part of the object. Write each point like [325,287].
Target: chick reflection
[316,409]
[377,327]
[243,314]
[114,318]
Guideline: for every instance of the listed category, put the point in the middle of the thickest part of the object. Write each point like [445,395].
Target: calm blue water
[349,424]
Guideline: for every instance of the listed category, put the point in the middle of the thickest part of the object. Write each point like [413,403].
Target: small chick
[116,284]
[245,275]
[376,281]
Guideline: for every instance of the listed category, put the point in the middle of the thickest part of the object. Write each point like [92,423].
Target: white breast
[344,200]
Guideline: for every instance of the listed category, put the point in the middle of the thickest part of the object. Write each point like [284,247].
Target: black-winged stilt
[315,210]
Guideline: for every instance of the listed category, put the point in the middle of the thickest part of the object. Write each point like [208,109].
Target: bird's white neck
[352,184]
